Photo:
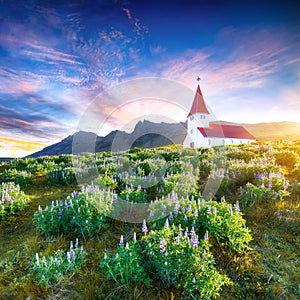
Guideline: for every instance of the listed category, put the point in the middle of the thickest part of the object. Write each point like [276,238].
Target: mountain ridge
[147,134]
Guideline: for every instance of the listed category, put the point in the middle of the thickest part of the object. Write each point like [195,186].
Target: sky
[57,57]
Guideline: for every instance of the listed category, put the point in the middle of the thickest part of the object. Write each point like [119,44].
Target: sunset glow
[56,58]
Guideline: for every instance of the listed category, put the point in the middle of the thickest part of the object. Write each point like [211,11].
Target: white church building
[202,131]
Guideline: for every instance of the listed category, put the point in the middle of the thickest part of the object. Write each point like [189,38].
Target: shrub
[22,178]
[83,213]
[126,265]
[11,198]
[184,260]
[286,158]
[49,271]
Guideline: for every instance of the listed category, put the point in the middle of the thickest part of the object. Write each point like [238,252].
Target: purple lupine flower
[183,210]
[162,245]
[285,186]
[237,206]
[166,226]
[176,210]
[121,243]
[144,227]
[151,215]
[195,241]
[196,212]
[206,235]
[214,210]
[208,211]
[76,243]
[185,219]
[188,207]
[186,233]
[270,185]
[192,232]
[164,209]
[171,218]
[72,254]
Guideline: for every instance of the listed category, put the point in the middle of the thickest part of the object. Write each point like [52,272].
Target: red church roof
[198,105]
[226,131]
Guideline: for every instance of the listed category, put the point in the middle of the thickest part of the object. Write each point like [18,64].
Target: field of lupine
[165,223]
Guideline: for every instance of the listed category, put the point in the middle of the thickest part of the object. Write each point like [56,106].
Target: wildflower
[76,243]
[127,246]
[230,210]
[105,255]
[171,218]
[270,185]
[121,243]
[192,232]
[134,236]
[185,219]
[166,226]
[37,258]
[206,235]
[195,241]
[214,210]
[144,227]
[117,256]
[162,245]
[237,206]
[196,212]
[71,245]
[151,215]
[68,257]
[208,211]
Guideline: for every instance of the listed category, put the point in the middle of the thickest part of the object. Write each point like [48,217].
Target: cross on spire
[198,79]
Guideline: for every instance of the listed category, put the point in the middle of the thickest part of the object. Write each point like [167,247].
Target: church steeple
[198,105]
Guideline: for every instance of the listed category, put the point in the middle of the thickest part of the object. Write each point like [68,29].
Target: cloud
[10,147]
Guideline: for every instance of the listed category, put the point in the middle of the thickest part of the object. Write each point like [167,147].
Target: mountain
[147,134]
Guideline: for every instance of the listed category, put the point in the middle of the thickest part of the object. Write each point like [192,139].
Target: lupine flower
[237,206]
[71,245]
[151,215]
[37,258]
[214,210]
[134,236]
[270,185]
[68,257]
[185,219]
[206,235]
[230,210]
[192,232]
[196,212]
[162,245]
[186,233]
[144,227]
[208,211]
[171,218]
[127,246]
[166,226]
[121,243]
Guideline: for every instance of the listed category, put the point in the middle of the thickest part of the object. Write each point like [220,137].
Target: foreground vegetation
[166,223]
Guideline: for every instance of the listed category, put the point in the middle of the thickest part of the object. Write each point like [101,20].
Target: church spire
[198,105]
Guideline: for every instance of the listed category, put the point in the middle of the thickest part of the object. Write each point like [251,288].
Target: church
[202,131]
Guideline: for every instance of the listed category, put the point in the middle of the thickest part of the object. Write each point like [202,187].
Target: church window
[192,118]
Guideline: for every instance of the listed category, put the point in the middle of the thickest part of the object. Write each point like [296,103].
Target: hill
[274,131]
[147,134]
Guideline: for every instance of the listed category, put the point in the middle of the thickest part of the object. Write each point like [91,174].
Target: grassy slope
[274,131]
[271,272]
